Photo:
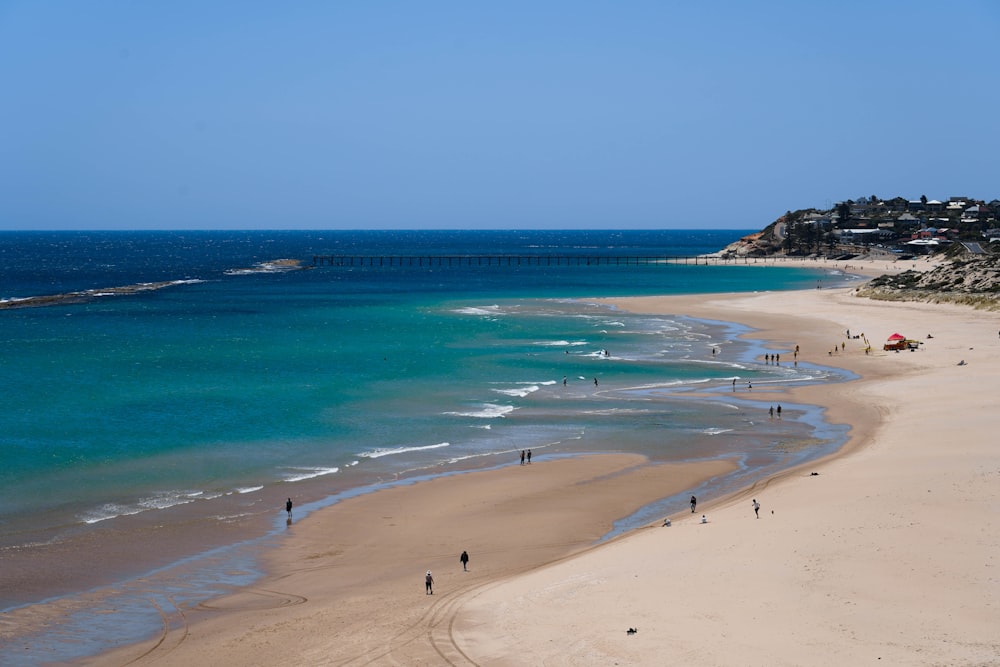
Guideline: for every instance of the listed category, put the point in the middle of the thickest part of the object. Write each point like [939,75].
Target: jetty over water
[389,261]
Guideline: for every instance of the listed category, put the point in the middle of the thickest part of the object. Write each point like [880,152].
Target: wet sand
[347,584]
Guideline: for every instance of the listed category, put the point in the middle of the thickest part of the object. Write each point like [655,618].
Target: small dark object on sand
[632,631]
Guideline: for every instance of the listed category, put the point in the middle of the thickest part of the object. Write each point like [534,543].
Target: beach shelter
[895,342]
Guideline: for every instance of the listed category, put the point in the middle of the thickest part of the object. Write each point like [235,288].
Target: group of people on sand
[704,519]
[525,455]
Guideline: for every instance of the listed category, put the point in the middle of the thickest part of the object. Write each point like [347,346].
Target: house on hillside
[864,236]
[976,213]
[820,220]
[935,233]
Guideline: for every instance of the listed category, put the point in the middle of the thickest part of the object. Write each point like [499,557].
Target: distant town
[871,225]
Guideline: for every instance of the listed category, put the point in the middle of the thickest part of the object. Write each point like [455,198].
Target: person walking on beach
[522,457]
[756,508]
[694,503]
[288,507]
[779,410]
[529,456]
[771,412]
[429,583]
[465,561]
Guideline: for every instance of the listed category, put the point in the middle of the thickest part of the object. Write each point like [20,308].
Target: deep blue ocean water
[238,379]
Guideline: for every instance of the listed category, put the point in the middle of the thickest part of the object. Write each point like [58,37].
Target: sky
[478,115]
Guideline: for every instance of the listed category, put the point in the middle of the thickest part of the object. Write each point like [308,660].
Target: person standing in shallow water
[288,507]
[522,457]
[529,456]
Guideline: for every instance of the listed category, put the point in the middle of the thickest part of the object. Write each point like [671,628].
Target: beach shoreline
[52,553]
[887,552]
[474,632]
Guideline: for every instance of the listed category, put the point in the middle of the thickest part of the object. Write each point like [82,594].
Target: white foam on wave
[519,392]
[716,431]
[248,489]
[379,452]
[560,343]
[673,383]
[146,287]
[487,411]
[308,473]
[479,310]
[273,266]
[158,501]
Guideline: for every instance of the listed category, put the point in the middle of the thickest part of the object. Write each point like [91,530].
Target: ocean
[171,375]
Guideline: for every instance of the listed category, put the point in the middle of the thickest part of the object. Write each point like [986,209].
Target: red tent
[897,337]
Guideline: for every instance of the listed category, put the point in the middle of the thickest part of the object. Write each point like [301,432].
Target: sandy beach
[885,553]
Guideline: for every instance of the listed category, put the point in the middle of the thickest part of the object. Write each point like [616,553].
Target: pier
[389,261]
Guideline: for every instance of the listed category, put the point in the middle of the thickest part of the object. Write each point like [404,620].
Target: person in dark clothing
[465,560]
[288,507]
[694,503]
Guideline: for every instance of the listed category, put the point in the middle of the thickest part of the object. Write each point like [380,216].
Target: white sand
[890,555]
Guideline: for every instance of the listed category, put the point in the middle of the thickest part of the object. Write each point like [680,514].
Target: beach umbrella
[896,337]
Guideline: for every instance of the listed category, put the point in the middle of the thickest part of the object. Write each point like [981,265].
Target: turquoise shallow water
[232,382]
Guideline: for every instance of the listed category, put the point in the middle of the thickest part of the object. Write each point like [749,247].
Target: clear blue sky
[504,115]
